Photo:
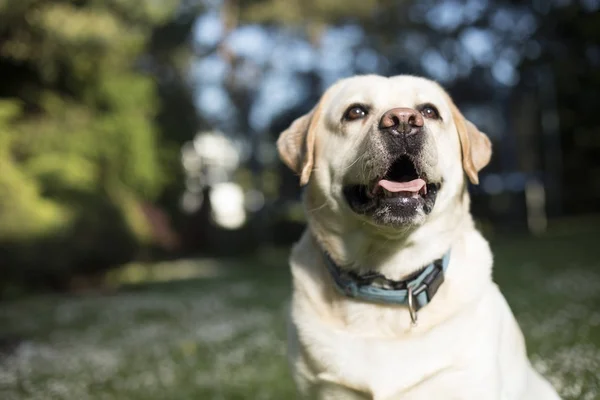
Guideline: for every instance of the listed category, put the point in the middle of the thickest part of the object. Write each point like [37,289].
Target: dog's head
[389,151]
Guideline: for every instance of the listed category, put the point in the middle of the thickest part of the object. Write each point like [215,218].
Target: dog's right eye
[355,112]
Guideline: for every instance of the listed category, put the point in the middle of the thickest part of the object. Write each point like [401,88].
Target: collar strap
[415,292]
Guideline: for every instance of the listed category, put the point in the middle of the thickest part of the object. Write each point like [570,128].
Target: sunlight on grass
[221,335]
[136,273]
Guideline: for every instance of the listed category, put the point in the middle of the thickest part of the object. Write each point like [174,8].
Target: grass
[222,335]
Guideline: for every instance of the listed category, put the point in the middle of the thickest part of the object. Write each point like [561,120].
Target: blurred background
[145,218]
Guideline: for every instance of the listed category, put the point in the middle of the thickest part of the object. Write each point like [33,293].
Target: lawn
[221,335]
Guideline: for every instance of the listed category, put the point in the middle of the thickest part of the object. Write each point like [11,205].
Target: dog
[392,294]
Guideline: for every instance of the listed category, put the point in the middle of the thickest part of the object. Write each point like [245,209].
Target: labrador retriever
[392,290]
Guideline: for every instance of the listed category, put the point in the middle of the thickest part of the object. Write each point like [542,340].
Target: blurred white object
[215,149]
[190,159]
[210,160]
[227,203]
[211,157]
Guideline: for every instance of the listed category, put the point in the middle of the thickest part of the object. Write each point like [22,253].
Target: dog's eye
[355,112]
[429,111]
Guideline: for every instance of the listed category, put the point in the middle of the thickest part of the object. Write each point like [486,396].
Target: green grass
[223,336]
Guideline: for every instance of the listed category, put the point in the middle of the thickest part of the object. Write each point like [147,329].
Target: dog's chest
[448,357]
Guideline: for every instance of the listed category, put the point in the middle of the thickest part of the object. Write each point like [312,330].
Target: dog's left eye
[355,112]
[429,111]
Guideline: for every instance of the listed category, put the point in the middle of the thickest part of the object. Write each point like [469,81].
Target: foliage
[23,212]
[96,102]
[312,15]
[79,150]
[526,72]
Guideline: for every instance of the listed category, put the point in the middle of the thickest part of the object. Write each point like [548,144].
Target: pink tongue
[413,186]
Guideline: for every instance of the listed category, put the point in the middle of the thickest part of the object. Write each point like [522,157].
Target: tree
[497,58]
[79,151]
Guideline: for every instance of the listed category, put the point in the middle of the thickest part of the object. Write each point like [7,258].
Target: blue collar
[416,291]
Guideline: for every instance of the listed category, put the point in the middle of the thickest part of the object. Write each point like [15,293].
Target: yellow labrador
[392,290]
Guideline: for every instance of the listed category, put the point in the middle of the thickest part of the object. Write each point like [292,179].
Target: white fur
[467,344]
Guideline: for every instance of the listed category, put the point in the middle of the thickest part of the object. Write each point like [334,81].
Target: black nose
[401,120]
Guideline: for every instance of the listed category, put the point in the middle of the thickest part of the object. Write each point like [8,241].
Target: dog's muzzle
[399,188]
[401,121]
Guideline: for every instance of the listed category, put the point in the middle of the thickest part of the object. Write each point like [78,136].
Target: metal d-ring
[411,306]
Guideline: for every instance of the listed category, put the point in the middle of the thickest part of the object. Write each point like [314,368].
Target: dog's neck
[363,248]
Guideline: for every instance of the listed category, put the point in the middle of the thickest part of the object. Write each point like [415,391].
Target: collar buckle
[412,306]
[432,282]
[412,299]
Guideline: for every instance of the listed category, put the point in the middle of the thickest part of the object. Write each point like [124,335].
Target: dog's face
[390,151]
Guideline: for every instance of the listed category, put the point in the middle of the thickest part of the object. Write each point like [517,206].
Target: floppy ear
[297,143]
[476,146]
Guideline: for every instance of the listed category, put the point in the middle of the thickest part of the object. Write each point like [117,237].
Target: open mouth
[401,180]
[401,190]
